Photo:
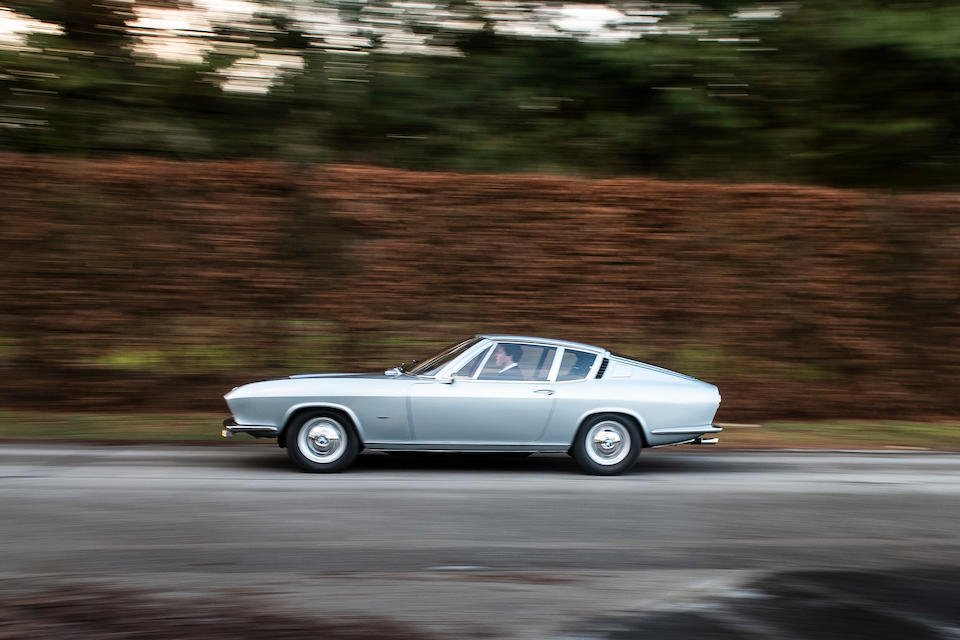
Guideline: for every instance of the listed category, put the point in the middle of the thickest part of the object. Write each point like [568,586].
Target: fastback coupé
[491,393]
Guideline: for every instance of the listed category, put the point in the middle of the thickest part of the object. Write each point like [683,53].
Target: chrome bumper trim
[702,429]
[230,427]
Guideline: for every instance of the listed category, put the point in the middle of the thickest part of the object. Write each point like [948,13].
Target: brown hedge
[796,301]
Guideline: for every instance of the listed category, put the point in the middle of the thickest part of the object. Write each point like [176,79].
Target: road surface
[745,544]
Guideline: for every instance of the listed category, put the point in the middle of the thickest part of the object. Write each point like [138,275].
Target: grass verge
[845,434]
[41,425]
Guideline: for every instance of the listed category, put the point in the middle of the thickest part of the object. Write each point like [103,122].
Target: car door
[479,407]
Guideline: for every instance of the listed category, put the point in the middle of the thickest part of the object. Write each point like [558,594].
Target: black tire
[322,442]
[607,445]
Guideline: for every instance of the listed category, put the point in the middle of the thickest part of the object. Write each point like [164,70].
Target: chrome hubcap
[322,440]
[608,442]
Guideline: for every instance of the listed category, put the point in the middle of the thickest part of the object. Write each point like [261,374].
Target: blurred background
[199,193]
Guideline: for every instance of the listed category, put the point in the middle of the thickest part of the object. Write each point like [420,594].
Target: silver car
[491,393]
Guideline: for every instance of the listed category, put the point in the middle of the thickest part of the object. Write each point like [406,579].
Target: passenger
[581,367]
[507,357]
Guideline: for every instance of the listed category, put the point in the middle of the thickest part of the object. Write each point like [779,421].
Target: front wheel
[607,445]
[322,442]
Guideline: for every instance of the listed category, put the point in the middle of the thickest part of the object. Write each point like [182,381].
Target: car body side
[401,412]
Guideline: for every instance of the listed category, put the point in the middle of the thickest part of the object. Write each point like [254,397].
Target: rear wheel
[322,442]
[607,445]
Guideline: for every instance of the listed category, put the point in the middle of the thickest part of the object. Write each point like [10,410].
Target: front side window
[518,362]
[470,369]
[575,365]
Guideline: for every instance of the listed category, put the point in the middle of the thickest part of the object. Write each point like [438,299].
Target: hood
[302,383]
[297,376]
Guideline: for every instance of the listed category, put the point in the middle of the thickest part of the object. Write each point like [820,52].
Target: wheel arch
[297,410]
[613,411]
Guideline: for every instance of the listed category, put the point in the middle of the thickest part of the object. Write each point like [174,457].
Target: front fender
[297,408]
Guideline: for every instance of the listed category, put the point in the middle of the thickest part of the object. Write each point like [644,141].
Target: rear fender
[628,413]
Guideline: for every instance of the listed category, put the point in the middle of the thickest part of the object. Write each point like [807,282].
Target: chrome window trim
[555,367]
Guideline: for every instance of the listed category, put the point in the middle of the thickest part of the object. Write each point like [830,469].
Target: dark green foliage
[860,93]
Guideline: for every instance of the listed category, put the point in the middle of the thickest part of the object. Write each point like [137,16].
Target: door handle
[546,392]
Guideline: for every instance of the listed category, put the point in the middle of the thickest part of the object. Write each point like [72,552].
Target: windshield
[433,365]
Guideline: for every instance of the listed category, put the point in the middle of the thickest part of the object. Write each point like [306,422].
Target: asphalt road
[692,543]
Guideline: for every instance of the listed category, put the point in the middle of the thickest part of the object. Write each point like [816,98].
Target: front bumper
[230,427]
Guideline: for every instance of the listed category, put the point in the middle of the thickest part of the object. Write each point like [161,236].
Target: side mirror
[445,380]
[392,372]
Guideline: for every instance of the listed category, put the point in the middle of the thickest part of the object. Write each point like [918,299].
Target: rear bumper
[702,434]
[700,430]
[230,427]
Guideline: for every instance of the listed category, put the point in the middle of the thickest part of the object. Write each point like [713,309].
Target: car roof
[498,337]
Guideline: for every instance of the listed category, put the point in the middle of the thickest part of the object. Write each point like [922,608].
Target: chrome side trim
[466,448]
[230,427]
